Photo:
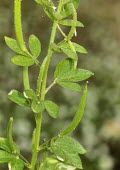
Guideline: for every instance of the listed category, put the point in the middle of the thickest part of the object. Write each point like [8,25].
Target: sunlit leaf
[22,60]
[63,66]
[34,45]
[79,48]
[18,98]
[69,22]
[75,75]
[51,108]
[70,85]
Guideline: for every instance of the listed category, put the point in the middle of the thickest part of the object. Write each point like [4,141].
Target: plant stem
[50,86]
[37,139]
[41,87]
[19,37]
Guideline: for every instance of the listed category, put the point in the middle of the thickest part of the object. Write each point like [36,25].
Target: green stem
[19,37]
[41,87]
[26,78]
[36,144]
[50,86]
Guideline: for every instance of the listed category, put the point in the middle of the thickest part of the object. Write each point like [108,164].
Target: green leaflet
[13,44]
[51,108]
[66,48]
[70,53]
[79,48]
[17,164]
[70,85]
[75,75]
[63,66]
[69,22]
[34,45]
[66,8]
[78,116]
[67,149]
[37,107]
[6,157]
[18,98]
[29,94]
[22,60]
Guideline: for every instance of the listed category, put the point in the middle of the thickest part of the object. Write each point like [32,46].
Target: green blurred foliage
[99,131]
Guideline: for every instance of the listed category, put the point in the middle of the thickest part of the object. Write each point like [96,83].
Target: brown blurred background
[99,130]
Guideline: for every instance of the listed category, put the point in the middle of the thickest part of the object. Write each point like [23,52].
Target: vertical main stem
[19,37]
[41,86]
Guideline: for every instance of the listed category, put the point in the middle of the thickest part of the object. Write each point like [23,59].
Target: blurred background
[99,130]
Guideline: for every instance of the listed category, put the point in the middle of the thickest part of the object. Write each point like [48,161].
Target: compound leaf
[34,45]
[18,98]
[51,108]
[70,85]
[22,60]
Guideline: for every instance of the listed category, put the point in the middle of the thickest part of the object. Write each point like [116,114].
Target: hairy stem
[19,37]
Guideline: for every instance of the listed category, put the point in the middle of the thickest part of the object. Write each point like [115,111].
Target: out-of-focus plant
[61,151]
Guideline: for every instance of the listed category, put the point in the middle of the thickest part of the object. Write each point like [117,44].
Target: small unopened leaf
[37,107]
[17,164]
[18,98]
[51,108]
[22,60]
[34,45]
[79,48]
[6,157]
[63,66]
[70,85]
[75,75]
[69,22]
